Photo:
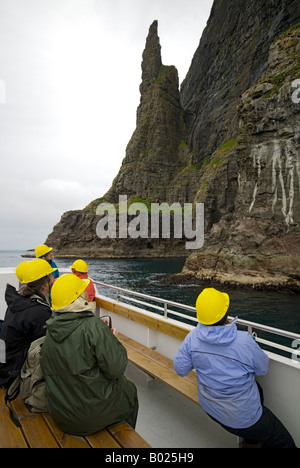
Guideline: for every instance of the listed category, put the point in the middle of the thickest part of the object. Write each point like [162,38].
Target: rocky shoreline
[239,280]
[234,282]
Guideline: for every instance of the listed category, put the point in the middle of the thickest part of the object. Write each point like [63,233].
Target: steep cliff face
[257,241]
[229,138]
[231,57]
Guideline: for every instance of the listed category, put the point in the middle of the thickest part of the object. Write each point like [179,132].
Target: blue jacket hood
[220,335]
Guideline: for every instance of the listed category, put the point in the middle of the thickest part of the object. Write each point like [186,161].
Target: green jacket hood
[69,319]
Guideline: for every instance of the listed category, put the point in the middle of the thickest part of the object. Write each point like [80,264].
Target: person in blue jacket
[43,251]
[226,361]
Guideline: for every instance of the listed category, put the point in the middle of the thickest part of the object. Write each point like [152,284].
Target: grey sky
[70,72]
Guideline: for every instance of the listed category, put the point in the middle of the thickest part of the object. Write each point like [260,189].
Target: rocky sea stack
[228,138]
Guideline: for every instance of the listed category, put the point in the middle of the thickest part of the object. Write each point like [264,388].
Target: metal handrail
[246,323]
[147,296]
[122,293]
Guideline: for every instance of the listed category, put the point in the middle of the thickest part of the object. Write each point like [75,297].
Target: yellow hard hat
[42,250]
[35,270]
[66,289]
[80,265]
[211,306]
[20,270]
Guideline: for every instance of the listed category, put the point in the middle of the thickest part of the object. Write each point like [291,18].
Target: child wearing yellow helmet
[80,269]
[45,252]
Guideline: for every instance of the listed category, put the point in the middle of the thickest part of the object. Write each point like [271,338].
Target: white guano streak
[282,164]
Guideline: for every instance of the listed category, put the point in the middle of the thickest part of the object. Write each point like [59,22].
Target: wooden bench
[160,367]
[39,431]
[153,363]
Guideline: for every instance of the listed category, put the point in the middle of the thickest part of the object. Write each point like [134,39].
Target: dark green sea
[277,309]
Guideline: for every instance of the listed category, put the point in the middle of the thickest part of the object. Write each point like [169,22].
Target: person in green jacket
[83,364]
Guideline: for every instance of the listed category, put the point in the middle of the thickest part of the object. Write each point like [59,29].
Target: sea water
[276,309]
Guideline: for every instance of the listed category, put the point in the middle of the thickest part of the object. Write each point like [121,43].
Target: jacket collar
[79,305]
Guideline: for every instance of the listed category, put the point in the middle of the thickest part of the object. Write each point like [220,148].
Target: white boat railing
[184,313]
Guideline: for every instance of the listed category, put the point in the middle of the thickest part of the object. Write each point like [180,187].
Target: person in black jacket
[26,316]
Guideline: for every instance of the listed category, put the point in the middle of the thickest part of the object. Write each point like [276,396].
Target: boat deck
[168,420]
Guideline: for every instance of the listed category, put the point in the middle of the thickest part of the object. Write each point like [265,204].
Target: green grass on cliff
[212,165]
[292,72]
[288,31]
[219,154]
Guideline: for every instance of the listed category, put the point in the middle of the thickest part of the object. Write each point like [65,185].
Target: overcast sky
[70,72]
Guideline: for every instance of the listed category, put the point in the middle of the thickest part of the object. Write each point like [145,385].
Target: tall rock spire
[153,154]
[152,63]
